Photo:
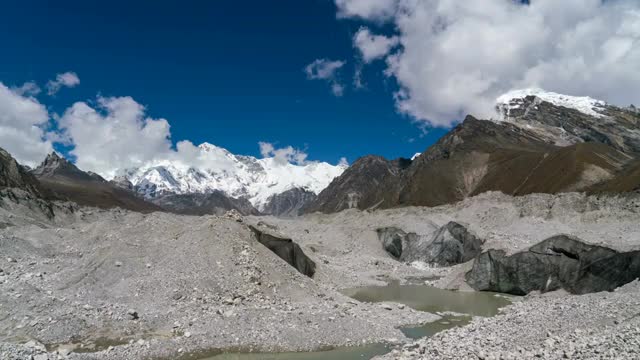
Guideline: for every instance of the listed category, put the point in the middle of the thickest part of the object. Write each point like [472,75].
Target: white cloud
[327,70]
[29,88]
[337,89]
[456,57]
[115,135]
[372,46]
[367,9]
[22,123]
[343,162]
[283,155]
[323,69]
[68,79]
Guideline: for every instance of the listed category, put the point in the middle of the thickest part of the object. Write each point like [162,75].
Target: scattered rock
[234,214]
[133,315]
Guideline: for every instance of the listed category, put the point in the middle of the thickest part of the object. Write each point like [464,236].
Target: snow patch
[415,156]
[513,100]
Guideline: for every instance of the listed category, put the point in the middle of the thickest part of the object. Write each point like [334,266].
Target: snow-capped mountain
[235,175]
[565,120]
[516,100]
[540,142]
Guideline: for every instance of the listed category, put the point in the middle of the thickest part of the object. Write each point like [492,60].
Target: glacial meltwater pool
[419,297]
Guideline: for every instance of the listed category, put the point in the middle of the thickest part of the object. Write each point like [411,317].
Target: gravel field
[550,326]
[121,285]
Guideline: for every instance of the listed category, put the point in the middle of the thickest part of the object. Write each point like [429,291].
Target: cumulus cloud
[115,134]
[68,79]
[23,121]
[372,46]
[455,57]
[327,70]
[283,155]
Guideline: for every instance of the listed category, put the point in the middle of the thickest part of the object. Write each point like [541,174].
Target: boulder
[392,239]
[286,249]
[559,262]
[450,245]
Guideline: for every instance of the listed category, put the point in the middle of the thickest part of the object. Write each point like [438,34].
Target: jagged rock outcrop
[289,203]
[560,262]
[285,248]
[55,166]
[215,203]
[60,179]
[20,191]
[538,147]
[13,175]
[450,245]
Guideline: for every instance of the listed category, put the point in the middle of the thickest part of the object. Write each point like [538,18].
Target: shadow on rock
[286,249]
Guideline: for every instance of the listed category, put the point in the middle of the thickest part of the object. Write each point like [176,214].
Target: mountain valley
[243,257]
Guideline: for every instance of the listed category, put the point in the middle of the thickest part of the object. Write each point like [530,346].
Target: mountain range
[236,176]
[538,142]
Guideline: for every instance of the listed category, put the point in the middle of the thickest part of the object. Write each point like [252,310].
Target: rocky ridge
[61,180]
[546,143]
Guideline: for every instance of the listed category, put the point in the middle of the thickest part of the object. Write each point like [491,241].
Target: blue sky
[226,72]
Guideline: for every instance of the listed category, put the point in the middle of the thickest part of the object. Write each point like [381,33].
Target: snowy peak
[564,120]
[516,100]
[237,176]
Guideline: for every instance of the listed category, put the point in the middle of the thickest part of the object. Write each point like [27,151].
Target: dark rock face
[215,203]
[289,203]
[452,244]
[13,175]
[286,249]
[370,182]
[560,262]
